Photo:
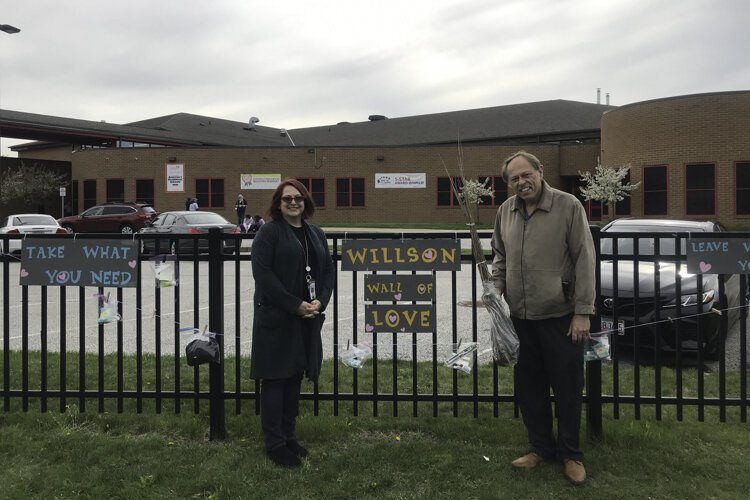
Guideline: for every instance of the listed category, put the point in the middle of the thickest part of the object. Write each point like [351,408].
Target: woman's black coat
[279,270]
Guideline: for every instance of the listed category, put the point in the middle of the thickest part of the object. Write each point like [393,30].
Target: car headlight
[692,299]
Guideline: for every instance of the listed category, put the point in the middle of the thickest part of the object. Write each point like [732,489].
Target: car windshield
[646,245]
[204,218]
[26,220]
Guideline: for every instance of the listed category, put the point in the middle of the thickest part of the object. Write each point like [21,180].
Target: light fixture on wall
[172,159]
[380,158]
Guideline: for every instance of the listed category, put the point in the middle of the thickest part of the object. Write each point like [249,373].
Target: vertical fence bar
[474,372]
[216,325]
[100,356]
[120,339]
[678,340]
[6,332]
[336,327]
[177,343]
[63,348]
[237,319]
[615,322]
[157,348]
[434,353]
[43,340]
[355,387]
[82,349]
[454,341]
[636,330]
[594,368]
[139,337]
[25,347]
[196,324]
[658,329]
[743,348]
[723,326]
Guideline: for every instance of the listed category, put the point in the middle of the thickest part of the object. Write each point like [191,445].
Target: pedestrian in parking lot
[193,205]
[293,274]
[545,266]
[188,202]
[240,206]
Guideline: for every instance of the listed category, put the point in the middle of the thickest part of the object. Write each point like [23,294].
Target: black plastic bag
[201,350]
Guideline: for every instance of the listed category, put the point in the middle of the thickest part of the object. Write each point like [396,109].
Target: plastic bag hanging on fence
[596,347]
[355,355]
[203,348]
[462,357]
[107,309]
[166,270]
[502,333]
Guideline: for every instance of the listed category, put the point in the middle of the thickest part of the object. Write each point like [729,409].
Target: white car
[26,224]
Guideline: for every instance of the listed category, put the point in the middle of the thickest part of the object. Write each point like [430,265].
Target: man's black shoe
[295,448]
[283,457]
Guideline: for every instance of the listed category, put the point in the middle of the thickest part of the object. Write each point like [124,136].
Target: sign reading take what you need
[718,255]
[58,262]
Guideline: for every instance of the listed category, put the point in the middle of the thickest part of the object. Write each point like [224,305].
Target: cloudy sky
[298,63]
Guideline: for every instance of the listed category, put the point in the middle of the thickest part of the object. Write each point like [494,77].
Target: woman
[293,274]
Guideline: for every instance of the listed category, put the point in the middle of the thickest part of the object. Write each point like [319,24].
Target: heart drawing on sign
[392,318]
[132,263]
[369,327]
[24,273]
[428,254]
[397,296]
[705,267]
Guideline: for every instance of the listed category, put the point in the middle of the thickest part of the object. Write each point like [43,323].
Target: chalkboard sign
[718,256]
[64,262]
[399,318]
[400,287]
[401,255]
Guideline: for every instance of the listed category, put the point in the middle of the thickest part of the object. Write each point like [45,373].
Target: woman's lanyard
[308,277]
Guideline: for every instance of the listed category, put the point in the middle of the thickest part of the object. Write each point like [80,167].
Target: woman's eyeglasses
[295,199]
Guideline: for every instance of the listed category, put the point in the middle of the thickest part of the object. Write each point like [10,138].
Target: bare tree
[607,185]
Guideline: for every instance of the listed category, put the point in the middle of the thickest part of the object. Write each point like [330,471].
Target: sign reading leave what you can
[63,262]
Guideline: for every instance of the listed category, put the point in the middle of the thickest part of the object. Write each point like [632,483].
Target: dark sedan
[186,223]
[637,315]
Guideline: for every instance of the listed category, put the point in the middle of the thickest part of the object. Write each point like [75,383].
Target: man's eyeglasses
[295,199]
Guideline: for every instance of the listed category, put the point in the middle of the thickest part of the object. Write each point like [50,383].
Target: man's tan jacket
[545,263]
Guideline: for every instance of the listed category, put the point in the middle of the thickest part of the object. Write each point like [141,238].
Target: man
[545,266]
[193,205]
[240,206]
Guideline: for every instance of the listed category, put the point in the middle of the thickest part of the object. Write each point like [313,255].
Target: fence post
[594,368]
[216,325]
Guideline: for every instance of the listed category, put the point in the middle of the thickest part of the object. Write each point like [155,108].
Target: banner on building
[259,181]
[175,177]
[401,181]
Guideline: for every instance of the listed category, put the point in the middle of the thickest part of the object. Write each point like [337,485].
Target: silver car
[185,222]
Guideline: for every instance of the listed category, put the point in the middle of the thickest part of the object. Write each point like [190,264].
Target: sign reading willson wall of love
[64,262]
[403,255]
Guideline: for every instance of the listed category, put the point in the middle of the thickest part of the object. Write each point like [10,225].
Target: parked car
[186,222]
[659,316]
[126,217]
[27,224]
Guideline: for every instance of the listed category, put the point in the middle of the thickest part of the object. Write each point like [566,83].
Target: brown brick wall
[382,205]
[707,128]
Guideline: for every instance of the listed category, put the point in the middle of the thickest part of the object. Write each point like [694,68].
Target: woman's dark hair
[274,211]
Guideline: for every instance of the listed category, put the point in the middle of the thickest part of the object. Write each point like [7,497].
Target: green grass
[163,455]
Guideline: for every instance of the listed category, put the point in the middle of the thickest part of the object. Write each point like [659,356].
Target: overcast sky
[298,63]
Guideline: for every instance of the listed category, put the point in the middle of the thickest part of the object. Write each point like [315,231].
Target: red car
[126,217]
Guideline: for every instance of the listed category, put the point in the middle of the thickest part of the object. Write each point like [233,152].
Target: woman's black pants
[279,407]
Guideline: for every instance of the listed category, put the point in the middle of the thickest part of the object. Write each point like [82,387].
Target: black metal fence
[55,352]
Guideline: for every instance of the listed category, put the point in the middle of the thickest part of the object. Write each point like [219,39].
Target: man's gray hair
[528,156]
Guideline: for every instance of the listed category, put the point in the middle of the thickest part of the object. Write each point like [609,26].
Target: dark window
[655,190]
[700,189]
[446,195]
[74,199]
[742,187]
[499,191]
[316,187]
[116,190]
[89,194]
[210,193]
[144,191]
[350,192]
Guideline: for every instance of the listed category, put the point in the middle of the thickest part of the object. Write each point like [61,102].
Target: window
[144,191]
[742,188]
[72,205]
[316,187]
[446,196]
[499,191]
[116,190]
[89,194]
[699,189]
[210,193]
[350,192]
[655,190]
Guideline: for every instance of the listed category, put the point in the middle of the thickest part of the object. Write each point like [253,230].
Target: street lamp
[9,29]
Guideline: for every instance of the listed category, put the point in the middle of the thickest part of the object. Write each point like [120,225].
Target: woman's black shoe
[295,448]
[284,457]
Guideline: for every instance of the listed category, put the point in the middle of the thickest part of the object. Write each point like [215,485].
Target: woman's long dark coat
[279,271]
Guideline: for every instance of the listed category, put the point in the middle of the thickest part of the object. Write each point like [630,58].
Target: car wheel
[68,228]
[126,229]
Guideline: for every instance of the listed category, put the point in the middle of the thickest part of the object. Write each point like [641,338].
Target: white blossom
[607,184]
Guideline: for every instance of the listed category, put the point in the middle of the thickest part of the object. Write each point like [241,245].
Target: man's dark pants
[549,358]
[279,406]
